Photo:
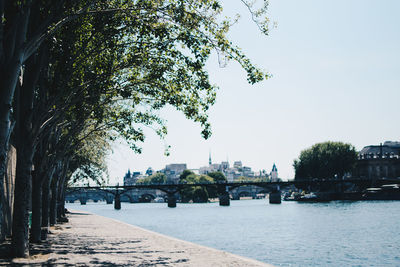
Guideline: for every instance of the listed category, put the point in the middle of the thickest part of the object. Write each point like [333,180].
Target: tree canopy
[326,160]
[217,177]
[76,75]
[157,178]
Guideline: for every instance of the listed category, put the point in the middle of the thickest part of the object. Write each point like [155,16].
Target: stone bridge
[133,196]
[249,191]
[226,190]
[169,193]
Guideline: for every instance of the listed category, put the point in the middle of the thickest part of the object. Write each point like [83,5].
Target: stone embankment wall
[7,196]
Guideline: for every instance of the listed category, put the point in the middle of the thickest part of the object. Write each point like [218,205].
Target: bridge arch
[263,191]
[86,195]
[146,198]
[254,191]
[245,194]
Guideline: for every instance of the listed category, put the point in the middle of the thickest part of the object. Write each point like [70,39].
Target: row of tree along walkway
[77,75]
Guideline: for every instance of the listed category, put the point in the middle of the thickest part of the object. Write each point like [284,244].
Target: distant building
[173,171]
[379,161]
[204,170]
[274,174]
[215,167]
[131,178]
[231,173]
[149,171]
[224,165]
[247,172]
[210,168]
[237,164]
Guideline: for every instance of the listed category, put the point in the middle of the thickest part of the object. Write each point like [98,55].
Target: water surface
[290,234]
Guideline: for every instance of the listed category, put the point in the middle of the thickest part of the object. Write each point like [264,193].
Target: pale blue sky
[336,76]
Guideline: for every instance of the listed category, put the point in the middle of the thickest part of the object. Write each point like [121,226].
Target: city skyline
[335,68]
[198,167]
[223,166]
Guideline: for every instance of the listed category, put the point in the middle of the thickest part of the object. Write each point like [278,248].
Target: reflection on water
[337,233]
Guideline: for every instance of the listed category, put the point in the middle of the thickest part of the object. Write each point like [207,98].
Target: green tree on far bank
[197,194]
[158,178]
[244,179]
[262,179]
[184,175]
[326,160]
[187,177]
[200,195]
[217,177]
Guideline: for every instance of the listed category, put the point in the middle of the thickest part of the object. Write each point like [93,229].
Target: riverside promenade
[92,240]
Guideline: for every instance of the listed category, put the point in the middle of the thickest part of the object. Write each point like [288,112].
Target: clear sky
[336,77]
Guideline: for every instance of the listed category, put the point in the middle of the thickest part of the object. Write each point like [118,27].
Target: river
[338,233]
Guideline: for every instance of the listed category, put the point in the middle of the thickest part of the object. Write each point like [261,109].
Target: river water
[337,233]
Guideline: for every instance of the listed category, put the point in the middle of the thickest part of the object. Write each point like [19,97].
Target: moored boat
[385,192]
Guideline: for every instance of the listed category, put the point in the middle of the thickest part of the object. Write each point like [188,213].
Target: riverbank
[92,240]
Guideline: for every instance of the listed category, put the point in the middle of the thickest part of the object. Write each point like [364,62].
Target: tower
[274,173]
[209,159]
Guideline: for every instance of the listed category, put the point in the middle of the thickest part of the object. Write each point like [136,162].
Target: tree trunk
[23,187]
[6,95]
[46,206]
[46,198]
[64,165]
[10,68]
[46,203]
[25,151]
[61,200]
[36,208]
[7,89]
[53,202]
[3,214]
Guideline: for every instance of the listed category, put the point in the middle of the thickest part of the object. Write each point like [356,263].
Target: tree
[200,195]
[158,178]
[184,175]
[92,66]
[243,179]
[326,160]
[187,177]
[217,177]
[25,25]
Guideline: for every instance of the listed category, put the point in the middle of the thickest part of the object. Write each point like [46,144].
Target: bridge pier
[275,197]
[224,199]
[117,201]
[171,200]
[235,197]
[109,200]
[83,201]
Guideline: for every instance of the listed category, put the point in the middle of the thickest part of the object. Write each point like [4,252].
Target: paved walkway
[91,240]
